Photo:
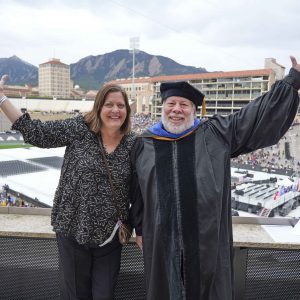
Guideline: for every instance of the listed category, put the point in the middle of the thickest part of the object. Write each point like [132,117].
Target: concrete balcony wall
[29,264]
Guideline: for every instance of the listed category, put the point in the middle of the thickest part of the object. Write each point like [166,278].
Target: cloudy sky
[214,34]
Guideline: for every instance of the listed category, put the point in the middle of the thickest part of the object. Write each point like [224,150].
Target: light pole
[134,48]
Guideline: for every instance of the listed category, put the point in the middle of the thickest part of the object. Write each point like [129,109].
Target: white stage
[40,185]
[264,193]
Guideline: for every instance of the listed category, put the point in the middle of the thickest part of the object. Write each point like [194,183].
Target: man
[182,205]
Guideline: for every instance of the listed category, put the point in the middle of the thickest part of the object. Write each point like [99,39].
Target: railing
[288,172]
[264,268]
[29,269]
[29,264]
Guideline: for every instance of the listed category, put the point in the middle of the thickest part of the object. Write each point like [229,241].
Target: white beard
[177,129]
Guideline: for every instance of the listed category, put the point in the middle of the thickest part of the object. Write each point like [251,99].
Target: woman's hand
[295,65]
[139,241]
[2,82]
[9,110]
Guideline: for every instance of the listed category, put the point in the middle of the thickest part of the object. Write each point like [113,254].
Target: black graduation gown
[182,196]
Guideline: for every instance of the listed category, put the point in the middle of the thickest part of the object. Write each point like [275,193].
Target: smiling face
[178,114]
[113,112]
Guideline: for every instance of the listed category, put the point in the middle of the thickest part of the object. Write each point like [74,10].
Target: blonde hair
[93,119]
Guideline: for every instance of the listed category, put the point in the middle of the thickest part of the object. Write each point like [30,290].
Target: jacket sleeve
[49,134]
[262,122]
[137,205]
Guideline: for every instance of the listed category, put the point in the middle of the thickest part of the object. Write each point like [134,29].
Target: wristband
[3,99]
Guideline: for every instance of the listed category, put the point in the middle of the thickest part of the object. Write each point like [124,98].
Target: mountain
[92,71]
[19,71]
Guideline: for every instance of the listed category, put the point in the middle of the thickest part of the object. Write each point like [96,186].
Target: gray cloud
[215,34]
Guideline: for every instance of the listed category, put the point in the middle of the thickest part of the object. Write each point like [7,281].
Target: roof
[54,62]
[245,73]
[16,88]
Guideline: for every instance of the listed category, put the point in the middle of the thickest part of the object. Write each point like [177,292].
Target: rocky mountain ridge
[92,71]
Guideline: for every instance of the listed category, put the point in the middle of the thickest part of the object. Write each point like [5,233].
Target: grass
[11,146]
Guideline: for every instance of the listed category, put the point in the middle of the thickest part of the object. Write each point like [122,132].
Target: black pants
[89,273]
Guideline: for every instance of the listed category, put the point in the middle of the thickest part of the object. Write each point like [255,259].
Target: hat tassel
[203,108]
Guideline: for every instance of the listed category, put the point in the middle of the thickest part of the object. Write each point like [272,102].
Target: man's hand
[2,82]
[295,65]
[139,241]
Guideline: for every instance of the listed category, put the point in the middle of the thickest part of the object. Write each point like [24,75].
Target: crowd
[8,199]
[140,122]
[275,156]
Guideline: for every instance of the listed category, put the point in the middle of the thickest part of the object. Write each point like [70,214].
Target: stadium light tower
[134,48]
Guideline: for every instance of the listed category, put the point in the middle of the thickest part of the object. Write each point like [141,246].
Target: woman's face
[114,112]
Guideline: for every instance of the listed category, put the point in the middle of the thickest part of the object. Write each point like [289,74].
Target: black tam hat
[181,89]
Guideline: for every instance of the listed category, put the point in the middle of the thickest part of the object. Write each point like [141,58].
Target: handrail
[265,221]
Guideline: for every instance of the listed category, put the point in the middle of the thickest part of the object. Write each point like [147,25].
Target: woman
[84,214]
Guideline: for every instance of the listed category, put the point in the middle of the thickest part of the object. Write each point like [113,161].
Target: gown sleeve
[137,205]
[263,121]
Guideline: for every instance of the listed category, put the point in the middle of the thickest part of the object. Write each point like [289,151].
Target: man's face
[178,114]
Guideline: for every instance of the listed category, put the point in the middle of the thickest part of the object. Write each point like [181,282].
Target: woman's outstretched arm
[6,106]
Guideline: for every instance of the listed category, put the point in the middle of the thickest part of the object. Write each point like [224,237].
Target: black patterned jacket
[83,206]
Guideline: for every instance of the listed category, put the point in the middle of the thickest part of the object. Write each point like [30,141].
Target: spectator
[181,189]
[84,216]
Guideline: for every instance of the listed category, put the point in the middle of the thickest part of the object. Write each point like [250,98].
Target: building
[225,92]
[141,91]
[21,91]
[54,79]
